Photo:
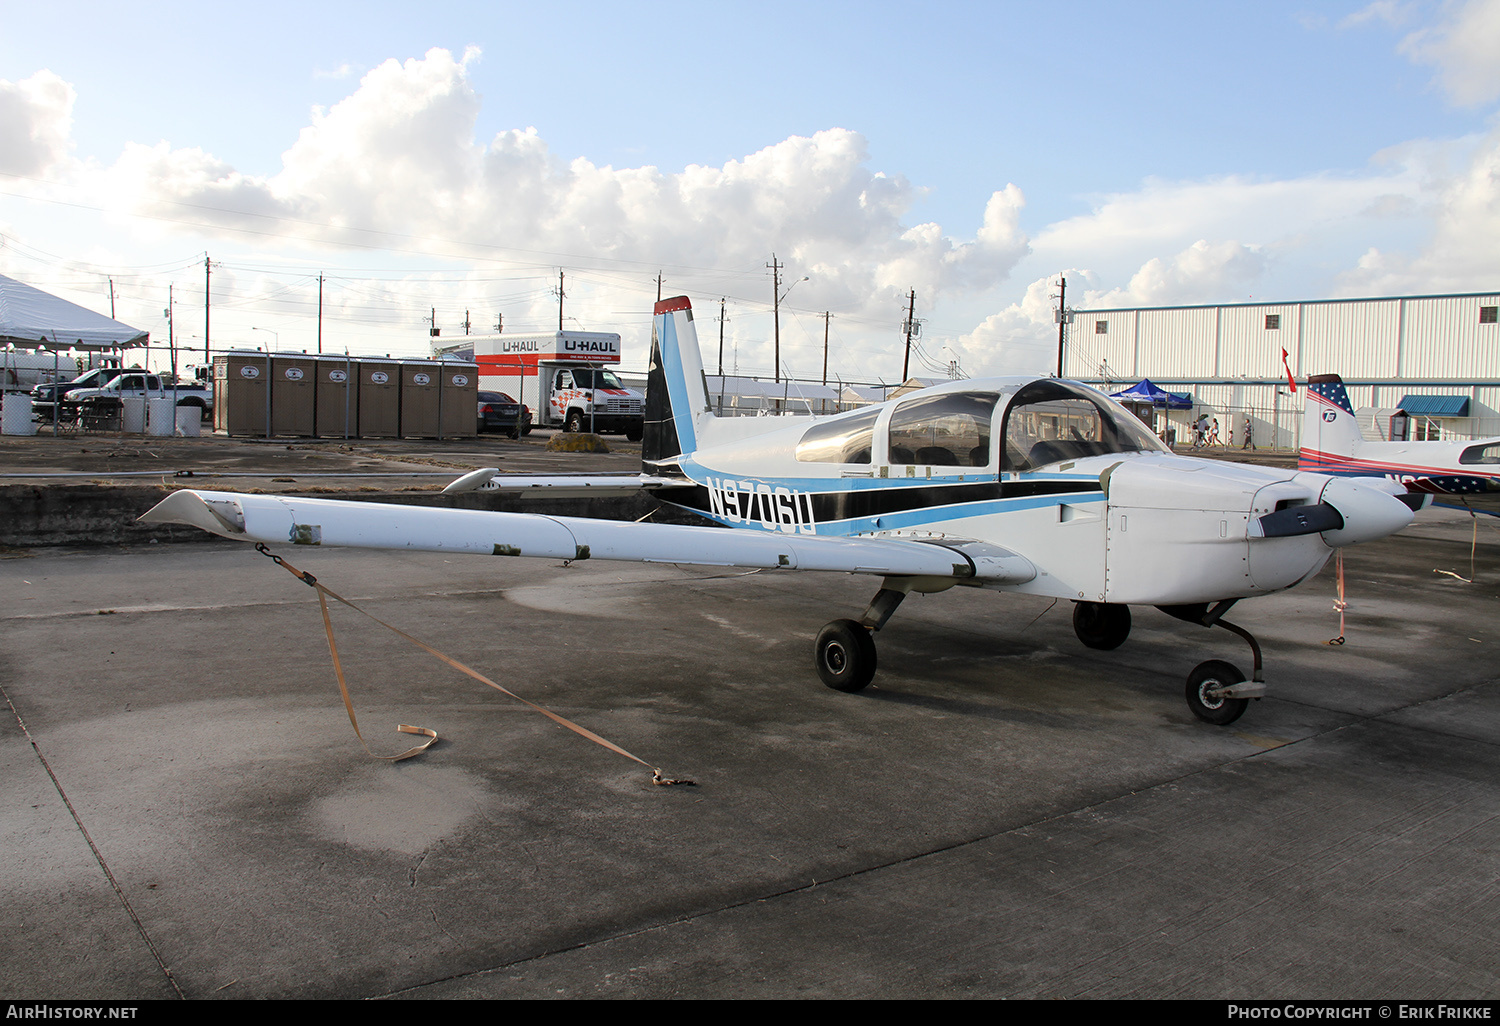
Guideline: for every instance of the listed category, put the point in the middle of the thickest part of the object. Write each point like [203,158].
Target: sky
[432,162]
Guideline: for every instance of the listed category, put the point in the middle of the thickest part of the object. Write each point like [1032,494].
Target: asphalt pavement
[1004,813]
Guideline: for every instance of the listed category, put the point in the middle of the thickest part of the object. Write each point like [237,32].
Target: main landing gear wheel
[1101,625]
[1207,678]
[845,655]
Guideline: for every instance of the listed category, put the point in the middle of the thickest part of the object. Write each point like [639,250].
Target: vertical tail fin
[1330,434]
[676,391]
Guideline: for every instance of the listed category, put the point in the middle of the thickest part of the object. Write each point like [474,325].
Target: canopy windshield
[1054,421]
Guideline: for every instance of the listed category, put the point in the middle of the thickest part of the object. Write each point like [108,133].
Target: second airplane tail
[1330,433]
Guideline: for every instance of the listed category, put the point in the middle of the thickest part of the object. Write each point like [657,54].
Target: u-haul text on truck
[563,376]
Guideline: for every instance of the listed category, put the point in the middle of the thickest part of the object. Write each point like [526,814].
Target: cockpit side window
[1052,422]
[845,440]
[951,429]
[1481,454]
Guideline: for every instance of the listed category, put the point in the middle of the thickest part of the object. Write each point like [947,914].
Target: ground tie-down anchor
[322,590]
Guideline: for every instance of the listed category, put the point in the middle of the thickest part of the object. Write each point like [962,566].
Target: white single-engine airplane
[1039,486]
[1333,444]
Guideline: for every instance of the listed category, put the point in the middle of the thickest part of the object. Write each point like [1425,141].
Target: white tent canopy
[36,319]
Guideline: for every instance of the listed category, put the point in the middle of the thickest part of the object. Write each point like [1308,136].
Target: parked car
[499,412]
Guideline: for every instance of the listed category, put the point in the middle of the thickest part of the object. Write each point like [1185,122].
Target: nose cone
[1368,512]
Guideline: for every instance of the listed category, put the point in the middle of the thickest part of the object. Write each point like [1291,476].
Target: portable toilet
[420,399]
[242,394]
[459,398]
[293,392]
[379,398]
[337,397]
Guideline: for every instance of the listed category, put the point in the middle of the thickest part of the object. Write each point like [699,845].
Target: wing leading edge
[284,520]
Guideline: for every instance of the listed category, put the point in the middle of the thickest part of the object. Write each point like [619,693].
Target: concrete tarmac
[1004,813]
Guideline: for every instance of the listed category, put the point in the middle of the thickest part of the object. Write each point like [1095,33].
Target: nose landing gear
[1217,692]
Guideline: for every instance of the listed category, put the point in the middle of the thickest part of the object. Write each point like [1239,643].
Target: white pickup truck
[135,385]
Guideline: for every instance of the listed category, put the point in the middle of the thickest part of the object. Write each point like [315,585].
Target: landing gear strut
[1217,692]
[845,651]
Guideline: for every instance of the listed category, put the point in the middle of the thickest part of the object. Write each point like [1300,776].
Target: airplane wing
[560,486]
[276,519]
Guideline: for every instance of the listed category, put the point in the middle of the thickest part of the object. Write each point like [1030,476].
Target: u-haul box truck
[563,376]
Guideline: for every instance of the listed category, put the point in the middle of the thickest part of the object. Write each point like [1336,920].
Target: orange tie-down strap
[431,735]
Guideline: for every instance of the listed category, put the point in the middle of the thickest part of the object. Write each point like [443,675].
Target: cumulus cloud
[1463,249]
[36,123]
[1169,214]
[1205,272]
[1462,46]
[398,158]
[1022,338]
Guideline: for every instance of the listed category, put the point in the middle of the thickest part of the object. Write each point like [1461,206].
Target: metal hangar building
[1419,367]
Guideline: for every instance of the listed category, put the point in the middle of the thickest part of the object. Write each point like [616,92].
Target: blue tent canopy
[1146,392]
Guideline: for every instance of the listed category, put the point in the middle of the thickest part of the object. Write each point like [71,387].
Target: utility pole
[1062,323]
[499,324]
[826,315]
[171,338]
[776,307]
[560,295]
[320,315]
[466,322]
[207,270]
[658,286]
[111,299]
[721,340]
[911,329]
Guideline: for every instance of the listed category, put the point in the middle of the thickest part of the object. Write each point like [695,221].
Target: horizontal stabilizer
[280,520]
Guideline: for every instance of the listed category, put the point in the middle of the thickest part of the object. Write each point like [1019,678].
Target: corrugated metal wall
[1353,340]
[1184,341]
[1230,358]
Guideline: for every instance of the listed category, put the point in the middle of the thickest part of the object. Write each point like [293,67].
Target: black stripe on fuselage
[828,507]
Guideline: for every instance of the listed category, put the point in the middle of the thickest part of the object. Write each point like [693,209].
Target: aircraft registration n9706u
[1041,486]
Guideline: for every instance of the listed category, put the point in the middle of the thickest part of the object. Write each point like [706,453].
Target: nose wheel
[1207,692]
